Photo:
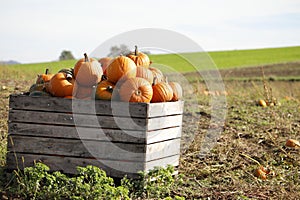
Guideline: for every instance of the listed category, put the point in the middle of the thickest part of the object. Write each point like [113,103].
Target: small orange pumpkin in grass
[162,92]
[292,143]
[157,73]
[104,90]
[44,78]
[59,85]
[177,91]
[104,62]
[262,103]
[83,92]
[121,67]
[87,71]
[261,172]
[145,73]
[136,90]
[139,58]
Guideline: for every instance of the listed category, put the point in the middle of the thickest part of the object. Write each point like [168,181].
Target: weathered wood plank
[55,104]
[164,122]
[165,108]
[90,148]
[81,120]
[69,164]
[163,149]
[163,134]
[99,107]
[87,133]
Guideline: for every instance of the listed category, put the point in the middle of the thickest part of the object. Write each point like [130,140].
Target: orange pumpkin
[259,173]
[162,92]
[83,92]
[59,85]
[136,90]
[157,73]
[145,73]
[177,91]
[44,78]
[87,71]
[121,67]
[292,143]
[104,90]
[139,58]
[104,62]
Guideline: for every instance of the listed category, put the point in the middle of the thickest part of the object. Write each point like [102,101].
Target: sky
[39,30]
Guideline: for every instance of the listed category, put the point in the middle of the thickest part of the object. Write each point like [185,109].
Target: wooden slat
[69,164]
[81,120]
[97,149]
[164,122]
[163,134]
[165,108]
[55,104]
[163,149]
[85,133]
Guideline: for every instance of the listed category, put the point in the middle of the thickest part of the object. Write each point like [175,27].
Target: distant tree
[66,55]
[117,50]
[122,49]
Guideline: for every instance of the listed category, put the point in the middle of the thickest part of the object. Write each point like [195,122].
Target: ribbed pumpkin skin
[88,71]
[59,86]
[121,67]
[136,90]
[104,90]
[157,73]
[177,91]
[139,58]
[104,62]
[145,73]
[162,92]
[82,92]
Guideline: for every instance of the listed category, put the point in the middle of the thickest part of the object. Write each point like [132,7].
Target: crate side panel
[99,107]
[164,122]
[68,164]
[163,134]
[163,149]
[165,108]
[80,120]
[171,160]
[72,132]
[90,133]
[77,148]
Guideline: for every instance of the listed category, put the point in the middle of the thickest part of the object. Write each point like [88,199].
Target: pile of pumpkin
[127,78]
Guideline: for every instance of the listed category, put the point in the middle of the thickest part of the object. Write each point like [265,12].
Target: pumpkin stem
[103,77]
[86,58]
[138,92]
[154,80]
[166,79]
[136,50]
[47,71]
[109,89]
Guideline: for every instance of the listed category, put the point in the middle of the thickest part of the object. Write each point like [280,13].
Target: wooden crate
[121,138]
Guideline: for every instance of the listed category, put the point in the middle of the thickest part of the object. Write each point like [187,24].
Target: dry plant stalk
[268,94]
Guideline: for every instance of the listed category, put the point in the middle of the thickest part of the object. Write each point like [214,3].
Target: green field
[222,59]
[230,59]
